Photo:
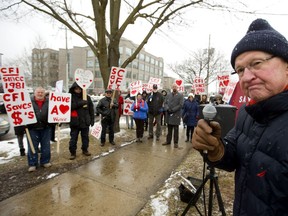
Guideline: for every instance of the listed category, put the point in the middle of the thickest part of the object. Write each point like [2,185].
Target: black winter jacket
[103,107]
[257,148]
[41,115]
[155,103]
[81,116]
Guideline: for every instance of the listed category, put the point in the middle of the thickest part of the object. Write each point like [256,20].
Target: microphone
[209,113]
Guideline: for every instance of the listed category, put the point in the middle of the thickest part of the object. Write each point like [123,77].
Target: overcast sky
[225,30]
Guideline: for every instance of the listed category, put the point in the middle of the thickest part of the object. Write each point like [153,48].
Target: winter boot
[22,152]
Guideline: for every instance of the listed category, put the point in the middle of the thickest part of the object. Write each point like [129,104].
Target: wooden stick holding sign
[83,78]
[30,141]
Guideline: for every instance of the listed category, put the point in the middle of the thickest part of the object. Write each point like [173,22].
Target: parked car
[2,107]
[4,126]
[95,100]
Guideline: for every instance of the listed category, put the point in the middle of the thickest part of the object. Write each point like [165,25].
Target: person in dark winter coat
[155,108]
[190,115]
[140,108]
[82,116]
[19,132]
[39,132]
[173,105]
[256,148]
[107,108]
[145,97]
[164,113]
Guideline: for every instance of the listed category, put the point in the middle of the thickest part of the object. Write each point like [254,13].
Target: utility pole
[208,65]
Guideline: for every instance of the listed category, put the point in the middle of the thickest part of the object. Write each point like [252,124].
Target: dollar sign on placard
[17,119]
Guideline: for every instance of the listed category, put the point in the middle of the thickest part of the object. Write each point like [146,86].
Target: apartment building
[49,65]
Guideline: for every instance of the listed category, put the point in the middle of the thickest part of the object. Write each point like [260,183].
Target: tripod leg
[195,197]
[219,197]
[210,207]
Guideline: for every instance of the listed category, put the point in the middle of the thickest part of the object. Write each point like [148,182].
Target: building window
[147,59]
[128,51]
[128,75]
[89,64]
[152,61]
[135,64]
[121,50]
[146,68]
[90,53]
[141,57]
[141,67]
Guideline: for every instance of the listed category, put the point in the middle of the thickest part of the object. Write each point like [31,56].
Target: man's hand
[206,137]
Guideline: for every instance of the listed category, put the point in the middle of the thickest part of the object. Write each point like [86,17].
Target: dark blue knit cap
[261,37]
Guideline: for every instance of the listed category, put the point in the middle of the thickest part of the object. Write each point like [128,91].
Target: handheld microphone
[209,113]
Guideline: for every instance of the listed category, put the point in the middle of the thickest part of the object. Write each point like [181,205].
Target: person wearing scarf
[140,108]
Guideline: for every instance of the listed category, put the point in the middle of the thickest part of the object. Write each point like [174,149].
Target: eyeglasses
[255,65]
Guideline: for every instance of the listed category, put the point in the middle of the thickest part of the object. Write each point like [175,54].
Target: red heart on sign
[178,82]
[91,80]
[226,82]
[77,79]
[126,110]
[64,108]
[10,90]
[133,92]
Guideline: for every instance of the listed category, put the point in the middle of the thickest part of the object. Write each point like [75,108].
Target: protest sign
[17,100]
[59,107]
[117,76]
[199,85]
[223,82]
[135,88]
[180,85]
[96,130]
[127,107]
[83,78]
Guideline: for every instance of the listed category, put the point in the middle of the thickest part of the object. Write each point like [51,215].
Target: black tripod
[213,182]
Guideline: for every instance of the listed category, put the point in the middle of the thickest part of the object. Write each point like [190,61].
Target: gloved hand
[92,123]
[83,102]
[207,137]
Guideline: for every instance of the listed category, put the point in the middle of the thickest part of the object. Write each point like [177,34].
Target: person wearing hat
[82,117]
[190,115]
[256,148]
[107,108]
[129,118]
[155,107]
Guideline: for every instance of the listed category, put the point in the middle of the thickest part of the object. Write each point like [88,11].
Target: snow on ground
[10,149]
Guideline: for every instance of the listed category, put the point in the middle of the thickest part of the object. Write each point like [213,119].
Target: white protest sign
[96,130]
[180,85]
[59,107]
[59,86]
[127,107]
[16,99]
[229,91]
[117,76]
[199,85]
[135,88]
[83,78]
[154,80]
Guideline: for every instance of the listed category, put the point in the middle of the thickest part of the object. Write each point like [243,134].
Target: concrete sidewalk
[118,184]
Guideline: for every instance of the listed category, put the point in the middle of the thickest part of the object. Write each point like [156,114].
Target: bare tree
[106,22]
[205,63]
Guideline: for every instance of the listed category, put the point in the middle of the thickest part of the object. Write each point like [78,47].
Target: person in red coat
[120,104]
